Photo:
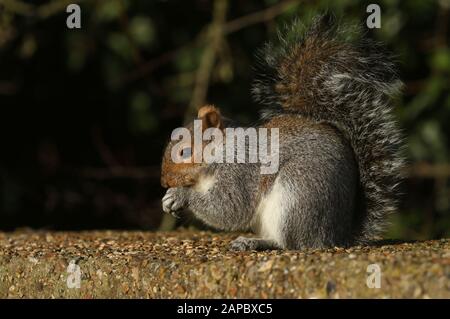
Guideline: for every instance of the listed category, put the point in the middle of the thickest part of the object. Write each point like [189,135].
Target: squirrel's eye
[186,153]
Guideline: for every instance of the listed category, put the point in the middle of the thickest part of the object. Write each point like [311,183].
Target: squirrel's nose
[169,180]
[164,183]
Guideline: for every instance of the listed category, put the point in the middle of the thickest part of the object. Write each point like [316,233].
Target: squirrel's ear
[211,117]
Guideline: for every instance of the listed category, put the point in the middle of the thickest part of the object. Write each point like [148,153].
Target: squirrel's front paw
[174,201]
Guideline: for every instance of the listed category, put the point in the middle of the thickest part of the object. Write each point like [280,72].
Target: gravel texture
[187,264]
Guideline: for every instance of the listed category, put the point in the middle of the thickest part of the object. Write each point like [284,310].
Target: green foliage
[142,119]
[142,31]
[440,59]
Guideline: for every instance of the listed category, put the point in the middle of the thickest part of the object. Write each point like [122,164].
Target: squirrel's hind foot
[245,244]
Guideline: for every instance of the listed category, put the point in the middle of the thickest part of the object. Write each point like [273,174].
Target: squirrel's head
[178,167]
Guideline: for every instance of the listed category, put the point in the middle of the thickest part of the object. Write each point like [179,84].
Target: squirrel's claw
[171,203]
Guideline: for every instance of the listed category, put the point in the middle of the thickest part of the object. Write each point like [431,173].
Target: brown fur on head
[186,173]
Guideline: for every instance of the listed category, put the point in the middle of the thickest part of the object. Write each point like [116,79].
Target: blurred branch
[414,87]
[105,153]
[427,170]
[54,7]
[18,7]
[212,44]
[228,28]
[150,65]
[150,172]
[124,25]
[260,16]
[42,11]
[442,27]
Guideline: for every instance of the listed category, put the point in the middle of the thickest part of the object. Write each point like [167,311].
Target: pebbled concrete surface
[187,264]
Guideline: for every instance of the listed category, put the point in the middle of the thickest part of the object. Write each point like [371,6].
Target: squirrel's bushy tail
[327,72]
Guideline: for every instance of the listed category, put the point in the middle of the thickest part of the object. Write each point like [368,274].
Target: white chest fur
[204,183]
[269,214]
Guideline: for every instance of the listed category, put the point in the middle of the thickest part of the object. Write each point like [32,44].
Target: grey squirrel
[340,149]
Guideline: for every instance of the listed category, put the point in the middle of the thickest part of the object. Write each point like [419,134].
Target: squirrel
[329,90]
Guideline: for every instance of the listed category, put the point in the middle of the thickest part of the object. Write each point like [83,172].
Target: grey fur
[338,184]
[351,89]
[322,180]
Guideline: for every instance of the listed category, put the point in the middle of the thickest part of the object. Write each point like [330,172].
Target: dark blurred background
[85,113]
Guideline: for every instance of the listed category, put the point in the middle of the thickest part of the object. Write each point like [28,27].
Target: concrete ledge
[199,265]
